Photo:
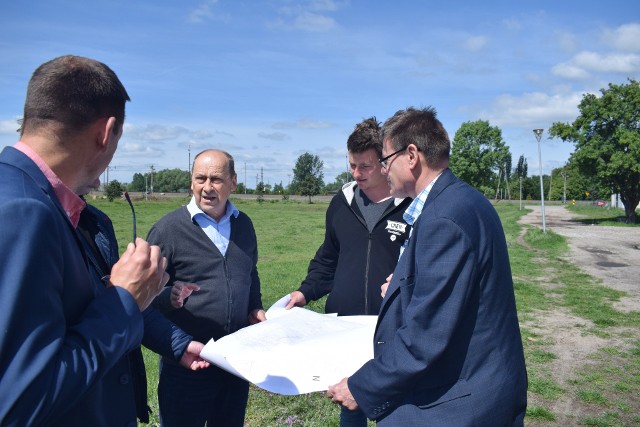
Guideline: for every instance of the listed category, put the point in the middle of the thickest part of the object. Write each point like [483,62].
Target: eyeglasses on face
[383,160]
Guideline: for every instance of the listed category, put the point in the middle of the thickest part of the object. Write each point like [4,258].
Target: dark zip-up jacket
[352,263]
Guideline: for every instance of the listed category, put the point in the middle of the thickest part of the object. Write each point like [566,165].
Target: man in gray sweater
[213,291]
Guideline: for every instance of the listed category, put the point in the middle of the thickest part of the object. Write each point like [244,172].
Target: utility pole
[245,177]
[564,193]
[538,134]
[152,169]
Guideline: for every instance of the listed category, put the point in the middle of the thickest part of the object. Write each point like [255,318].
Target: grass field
[289,233]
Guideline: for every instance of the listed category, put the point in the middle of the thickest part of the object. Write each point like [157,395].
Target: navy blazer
[125,385]
[447,345]
[59,334]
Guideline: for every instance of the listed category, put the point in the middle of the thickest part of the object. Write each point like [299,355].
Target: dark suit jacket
[125,385]
[59,334]
[447,345]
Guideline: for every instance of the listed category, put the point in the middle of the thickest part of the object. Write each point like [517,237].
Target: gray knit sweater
[229,285]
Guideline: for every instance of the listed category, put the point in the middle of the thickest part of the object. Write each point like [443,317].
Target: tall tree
[606,135]
[137,183]
[113,190]
[521,173]
[307,175]
[479,154]
[171,181]
[341,179]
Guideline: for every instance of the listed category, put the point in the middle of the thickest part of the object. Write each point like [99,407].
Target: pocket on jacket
[428,398]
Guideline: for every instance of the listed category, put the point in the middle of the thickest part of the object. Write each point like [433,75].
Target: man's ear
[107,132]
[234,182]
[414,157]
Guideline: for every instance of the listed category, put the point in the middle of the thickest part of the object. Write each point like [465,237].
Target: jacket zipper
[366,275]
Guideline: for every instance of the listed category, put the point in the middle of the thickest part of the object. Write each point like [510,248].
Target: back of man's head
[421,128]
[365,136]
[71,92]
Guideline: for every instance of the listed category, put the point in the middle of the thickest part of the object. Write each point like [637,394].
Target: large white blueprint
[295,351]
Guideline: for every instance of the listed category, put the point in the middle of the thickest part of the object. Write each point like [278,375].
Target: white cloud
[569,71]
[153,132]
[201,134]
[139,150]
[476,43]
[512,24]
[202,12]
[533,109]
[313,22]
[625,37]
[309,17]
[303,124]
[274,136]
[617,63]
[583,63]
[9,127]
[326,5]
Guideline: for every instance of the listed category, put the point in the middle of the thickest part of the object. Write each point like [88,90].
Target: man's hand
[385,285]
[140,271]
[180,291]
[341,395]
[257,316]
[191,358]
[297,300]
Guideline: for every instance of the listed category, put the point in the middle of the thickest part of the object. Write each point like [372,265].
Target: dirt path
[611,254]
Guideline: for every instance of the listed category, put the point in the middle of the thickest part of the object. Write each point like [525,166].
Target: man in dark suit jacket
[447,347]
[125,385]
[58,335]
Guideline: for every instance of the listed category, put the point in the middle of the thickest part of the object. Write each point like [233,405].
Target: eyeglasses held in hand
[383,160]
[133,212]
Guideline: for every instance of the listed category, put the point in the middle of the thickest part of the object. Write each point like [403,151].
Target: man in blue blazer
[59,334]
[447,347]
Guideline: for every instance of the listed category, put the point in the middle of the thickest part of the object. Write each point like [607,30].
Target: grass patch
[290,232]
[539,413]
[598,215]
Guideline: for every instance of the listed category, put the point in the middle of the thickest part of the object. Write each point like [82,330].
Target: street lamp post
[538,134]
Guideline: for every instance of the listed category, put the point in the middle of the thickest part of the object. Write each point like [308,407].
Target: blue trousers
[355,418]
[191,398]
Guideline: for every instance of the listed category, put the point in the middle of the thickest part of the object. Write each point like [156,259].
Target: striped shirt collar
[415,208]
[72,204]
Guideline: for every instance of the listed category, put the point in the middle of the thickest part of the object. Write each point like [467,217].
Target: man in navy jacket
[447,346]
[125,385]
[59,335]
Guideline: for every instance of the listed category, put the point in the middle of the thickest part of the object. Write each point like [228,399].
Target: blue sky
[270,80]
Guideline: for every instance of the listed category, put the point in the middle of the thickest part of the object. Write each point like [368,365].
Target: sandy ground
[611,254]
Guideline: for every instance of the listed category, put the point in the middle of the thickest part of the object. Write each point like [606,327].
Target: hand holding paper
[297,351]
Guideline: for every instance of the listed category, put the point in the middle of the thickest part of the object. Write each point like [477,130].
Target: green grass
[602,215]
[290,232]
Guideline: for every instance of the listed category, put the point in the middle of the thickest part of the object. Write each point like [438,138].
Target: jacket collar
[349,191]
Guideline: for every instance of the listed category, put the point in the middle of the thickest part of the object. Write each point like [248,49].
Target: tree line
[606,160]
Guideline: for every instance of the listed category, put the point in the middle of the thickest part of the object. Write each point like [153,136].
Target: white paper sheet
[295,351]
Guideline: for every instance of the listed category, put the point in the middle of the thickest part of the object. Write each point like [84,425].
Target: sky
[270,80]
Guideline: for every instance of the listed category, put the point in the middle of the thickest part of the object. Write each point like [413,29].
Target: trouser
[355,418]
[191,398]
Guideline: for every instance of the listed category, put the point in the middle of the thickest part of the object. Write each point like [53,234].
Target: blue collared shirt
[218,231]
[415,209]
